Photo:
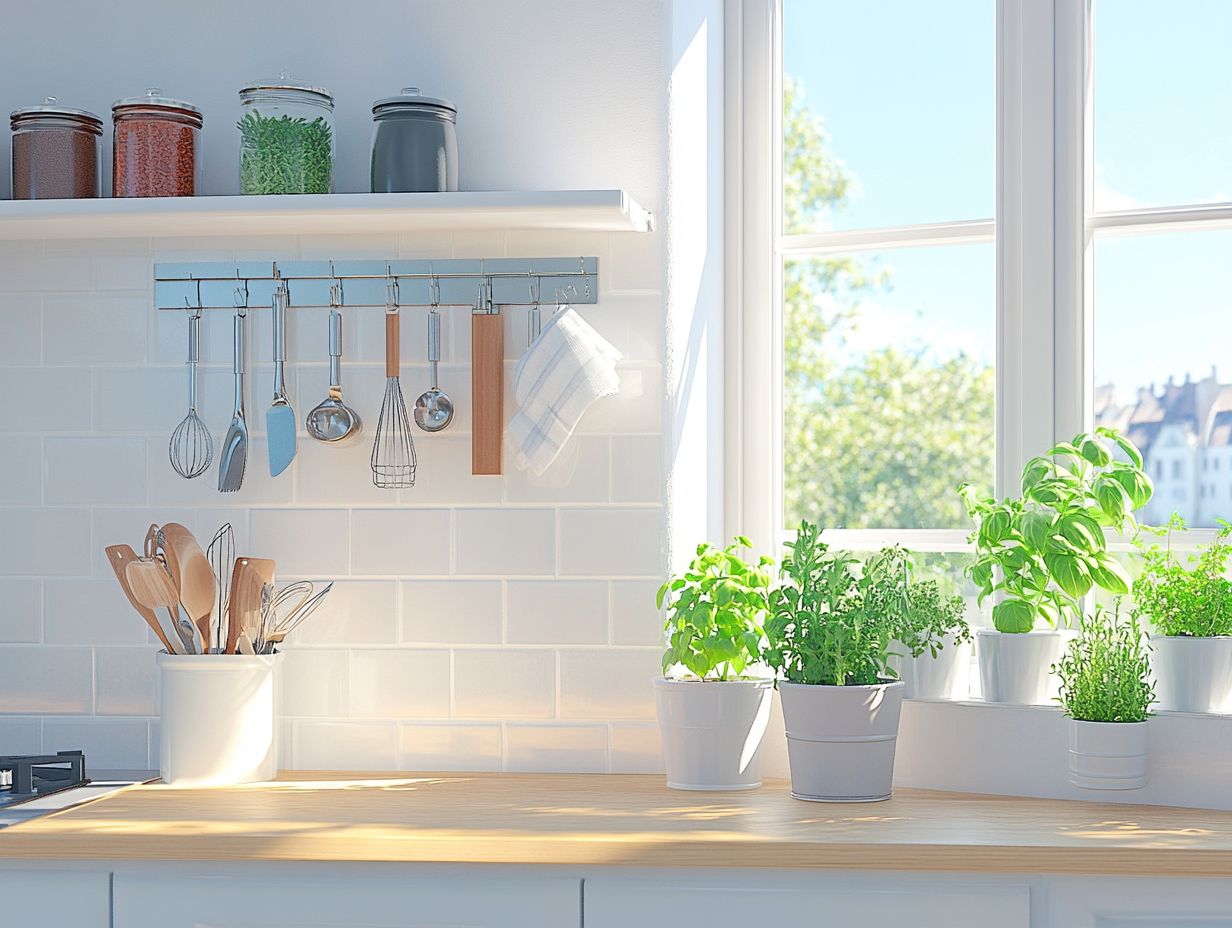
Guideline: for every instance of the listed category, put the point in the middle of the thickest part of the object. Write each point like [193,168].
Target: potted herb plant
[936,662]
[1040,554]
[1106,691]
[712,716]
[1189,607]
[831,624]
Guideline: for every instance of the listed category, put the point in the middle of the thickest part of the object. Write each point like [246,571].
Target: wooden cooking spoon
[191,570]
[250,576]
[152,585]
[119,557]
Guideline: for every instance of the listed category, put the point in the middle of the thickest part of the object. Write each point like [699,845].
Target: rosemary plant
[1105,673]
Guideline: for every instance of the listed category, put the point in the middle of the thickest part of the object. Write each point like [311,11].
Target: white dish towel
[562,373]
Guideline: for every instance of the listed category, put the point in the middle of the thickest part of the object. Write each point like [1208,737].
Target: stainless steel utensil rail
[451,282]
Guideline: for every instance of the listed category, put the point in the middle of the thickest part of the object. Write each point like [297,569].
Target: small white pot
[218,719]
[712,732]
[1017,668]
[1192,674]
[1108,755]
[946,676]
[841,739]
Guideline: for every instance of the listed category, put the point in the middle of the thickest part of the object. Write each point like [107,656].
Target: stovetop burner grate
[25,777]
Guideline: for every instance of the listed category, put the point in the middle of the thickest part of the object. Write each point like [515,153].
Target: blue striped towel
[562,373]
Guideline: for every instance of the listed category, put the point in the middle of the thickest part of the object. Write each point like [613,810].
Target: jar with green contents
[286,138]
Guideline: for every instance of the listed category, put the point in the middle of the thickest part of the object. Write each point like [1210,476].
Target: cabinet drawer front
[618,904]
[55,897]
[289,899]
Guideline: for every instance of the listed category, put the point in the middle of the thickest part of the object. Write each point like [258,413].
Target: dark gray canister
[414,144]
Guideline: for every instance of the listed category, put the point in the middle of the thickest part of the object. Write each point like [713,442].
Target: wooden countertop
[622,820]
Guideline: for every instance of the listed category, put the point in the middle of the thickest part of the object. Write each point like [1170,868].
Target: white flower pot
[946,676]
[1192,674]
[712,732]
[841,739]
[218,719]
[1108,755]
[1017,668]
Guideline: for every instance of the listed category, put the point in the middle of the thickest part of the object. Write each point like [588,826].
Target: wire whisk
[191,448]
[393,449]
[221,555]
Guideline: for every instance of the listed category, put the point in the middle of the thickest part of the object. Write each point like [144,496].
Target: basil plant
[1044,551]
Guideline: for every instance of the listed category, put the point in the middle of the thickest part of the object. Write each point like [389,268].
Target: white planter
[1108,755]
[841,739]
[218,719]
[1192,674]
[712,732]
[1017,669]
[946,676]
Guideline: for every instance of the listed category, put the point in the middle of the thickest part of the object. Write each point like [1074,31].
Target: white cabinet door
[1149,902]
[305,898]
[745,899]
[55,897]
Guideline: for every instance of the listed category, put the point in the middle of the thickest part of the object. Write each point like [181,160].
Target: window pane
[1162,72]
[888,385]
[1162,324]
[889,112]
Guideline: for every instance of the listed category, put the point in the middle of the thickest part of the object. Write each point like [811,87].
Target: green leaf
[1127,446]
[1136,484]
[1015,616]
[1035,528]
[995,528]
[1094,452]
[1070,574]
[1035,470]
[1083,532]
[1109,574]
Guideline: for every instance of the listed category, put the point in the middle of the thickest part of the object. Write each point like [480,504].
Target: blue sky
[906,89]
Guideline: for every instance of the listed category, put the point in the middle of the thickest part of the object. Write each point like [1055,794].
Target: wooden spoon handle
[393,333]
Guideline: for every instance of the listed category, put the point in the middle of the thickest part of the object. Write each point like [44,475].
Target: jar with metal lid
[157,147]
[55,152]
[286,138]
[414,144]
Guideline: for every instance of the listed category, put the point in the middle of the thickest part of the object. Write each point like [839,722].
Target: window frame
[1044,232]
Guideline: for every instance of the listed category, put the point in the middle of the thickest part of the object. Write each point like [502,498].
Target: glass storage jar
[157,147]
[286,138]
[414,144]
[55,152]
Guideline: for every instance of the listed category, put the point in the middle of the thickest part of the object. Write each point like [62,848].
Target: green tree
[877,439]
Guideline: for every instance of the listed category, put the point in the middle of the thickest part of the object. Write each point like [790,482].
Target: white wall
[477,622]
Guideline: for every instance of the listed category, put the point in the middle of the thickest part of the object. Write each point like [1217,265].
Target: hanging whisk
[191,448]
[393,450]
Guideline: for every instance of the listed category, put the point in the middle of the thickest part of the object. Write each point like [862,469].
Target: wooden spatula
[195,578]
[153,587]
[250,576]
[119,557]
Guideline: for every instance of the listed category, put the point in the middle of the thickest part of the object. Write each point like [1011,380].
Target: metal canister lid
[410,98]
[284,83]
[154,97]
[49,109]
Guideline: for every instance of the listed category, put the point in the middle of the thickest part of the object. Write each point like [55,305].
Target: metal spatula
[235,445]
[280,417]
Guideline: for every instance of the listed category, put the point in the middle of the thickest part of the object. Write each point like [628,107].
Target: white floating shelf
[566,210]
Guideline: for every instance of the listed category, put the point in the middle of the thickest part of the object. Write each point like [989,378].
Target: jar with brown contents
[156,151]
[55,152]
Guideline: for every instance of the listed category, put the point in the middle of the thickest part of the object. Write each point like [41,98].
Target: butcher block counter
[621,820]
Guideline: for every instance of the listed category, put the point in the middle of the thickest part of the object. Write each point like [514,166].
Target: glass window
[889,114]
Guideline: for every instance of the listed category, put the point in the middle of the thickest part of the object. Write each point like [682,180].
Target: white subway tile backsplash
[259,487]
[28,272]
[53,399]
[23,611]
[578,475]
[125,681]
[95,329]
[608,684]
[400,684]
[21,328]
[636,748]
[637,262]
[635,617]
[21,736]
[556,748]
[557,612]
[444,475]
[409,542]
[345,746]
[334,475]
[506,541]
[90,612]
[124,272]
[637,408]
[452,611]
[109,744]
[46,680]
[429,747]
[314,683]
[611,542]
[85,470]
[304,542]
[361,612]
[637,469]
[23,471]
[504,684]
[46,542]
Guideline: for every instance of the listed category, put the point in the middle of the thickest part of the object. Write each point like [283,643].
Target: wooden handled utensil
[153,587]
[119,557]
[251,576]
[195,578]
[487,392]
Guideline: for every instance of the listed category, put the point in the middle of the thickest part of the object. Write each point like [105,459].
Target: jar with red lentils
[157,147]
[55,152]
